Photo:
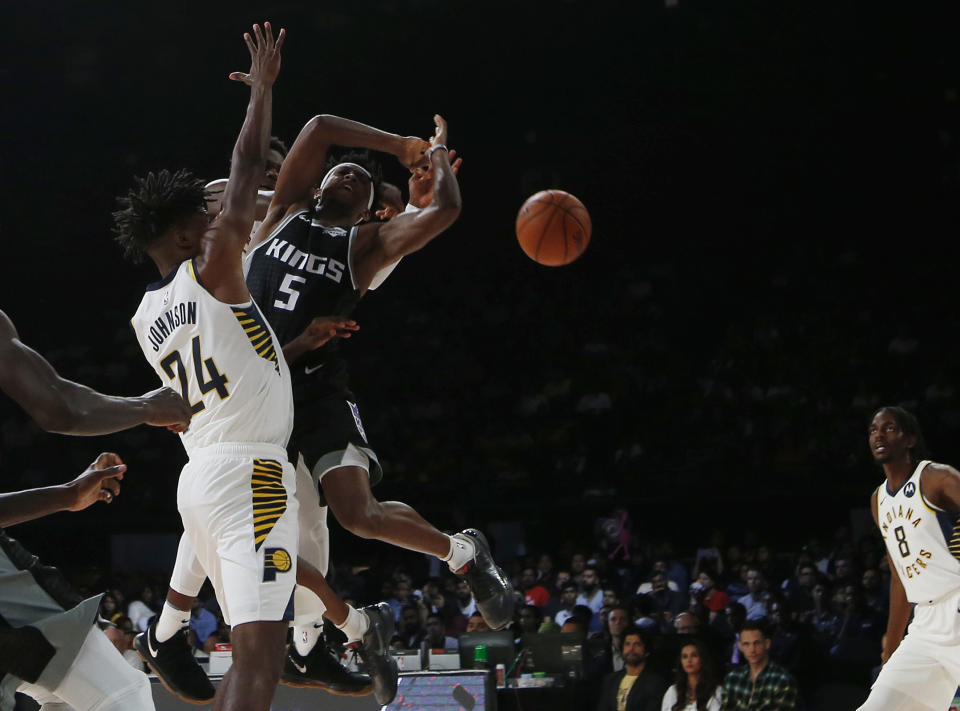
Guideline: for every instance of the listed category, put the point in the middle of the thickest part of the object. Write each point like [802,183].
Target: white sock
[461,552]
[305,637]
[355,626]
[171,621]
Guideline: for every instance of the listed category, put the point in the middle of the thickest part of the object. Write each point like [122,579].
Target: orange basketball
[553,227]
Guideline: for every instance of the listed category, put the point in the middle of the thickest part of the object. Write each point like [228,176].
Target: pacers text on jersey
[298,259]
[169,321]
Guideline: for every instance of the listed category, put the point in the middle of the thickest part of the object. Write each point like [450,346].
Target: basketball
[553,227]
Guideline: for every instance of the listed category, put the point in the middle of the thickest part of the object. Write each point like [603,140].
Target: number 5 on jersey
[217,381]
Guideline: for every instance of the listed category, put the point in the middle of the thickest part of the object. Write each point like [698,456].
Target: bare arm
[63,406]
[220,262]
[215,190]
[382,244]
[305,164]
[899,612]
[100,482]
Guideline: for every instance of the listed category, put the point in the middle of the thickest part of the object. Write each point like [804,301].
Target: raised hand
[421,182]
[439,137]
[100,482]
[412,156]
[166,408]
[264,56]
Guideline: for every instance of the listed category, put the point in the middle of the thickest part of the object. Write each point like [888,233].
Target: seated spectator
[696,686]
[529,619]
[401,593]
[121,634]
[686,623]
[464,599]
[798,590]
[143,610]
[476,623]
[533,592]
[108,608]
[611,597]
[568,600]
[760,683]
[704,592]
[434,637]
[757,599]
[645,615]
[546,575]
[667,603]
[411,629]
[659,566]
[203,627]
[606,646]
[633,688]
[876,595]
[591,594]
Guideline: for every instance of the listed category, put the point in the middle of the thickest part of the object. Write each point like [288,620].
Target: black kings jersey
[302,270]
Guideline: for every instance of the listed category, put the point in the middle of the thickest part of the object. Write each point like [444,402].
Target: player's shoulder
[7,330]
[937,471]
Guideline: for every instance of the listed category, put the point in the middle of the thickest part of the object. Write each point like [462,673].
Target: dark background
[773,190]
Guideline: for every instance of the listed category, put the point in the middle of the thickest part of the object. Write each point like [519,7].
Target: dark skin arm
[220,262]
[319,332]
[305,164]
[381,244]
[100,482]
[899,613]
[63,406]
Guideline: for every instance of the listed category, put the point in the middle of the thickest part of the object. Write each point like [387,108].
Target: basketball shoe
[491,588]
[174,664]
[374,652]
[320,669]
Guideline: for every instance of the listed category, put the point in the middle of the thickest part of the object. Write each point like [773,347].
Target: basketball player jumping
[315,256]
[917,510]
[198,327]
[50,648]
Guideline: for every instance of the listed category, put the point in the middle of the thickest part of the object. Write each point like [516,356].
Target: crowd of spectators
[823,608]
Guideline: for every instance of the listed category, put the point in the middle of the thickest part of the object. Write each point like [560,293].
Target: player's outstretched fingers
[107,459]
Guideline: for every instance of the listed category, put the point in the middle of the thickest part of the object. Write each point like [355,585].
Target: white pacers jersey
[223,359]
[922,540]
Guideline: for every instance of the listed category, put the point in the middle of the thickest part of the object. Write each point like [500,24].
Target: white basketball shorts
[239,512]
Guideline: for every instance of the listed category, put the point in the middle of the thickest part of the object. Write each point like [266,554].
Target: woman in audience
[696,685]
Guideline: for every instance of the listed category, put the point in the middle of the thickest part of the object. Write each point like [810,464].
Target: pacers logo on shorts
[275,560]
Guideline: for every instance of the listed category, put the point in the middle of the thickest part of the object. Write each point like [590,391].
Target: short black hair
[910,426]
[365,159]
[757,626]
[152,206]
[279,146]
[636,632]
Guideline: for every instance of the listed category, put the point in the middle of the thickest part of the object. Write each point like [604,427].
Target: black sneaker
[173,662]
[320,670]
[490,587]
[374,651]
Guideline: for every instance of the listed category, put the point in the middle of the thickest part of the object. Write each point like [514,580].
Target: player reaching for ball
[199,328]
[316,255]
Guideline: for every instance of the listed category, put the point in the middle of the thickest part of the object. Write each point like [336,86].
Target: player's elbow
[58,419]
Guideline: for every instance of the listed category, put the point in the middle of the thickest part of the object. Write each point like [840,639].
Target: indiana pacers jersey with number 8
[224,359]
[922,540]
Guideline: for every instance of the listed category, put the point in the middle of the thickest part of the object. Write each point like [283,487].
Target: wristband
[437,147]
